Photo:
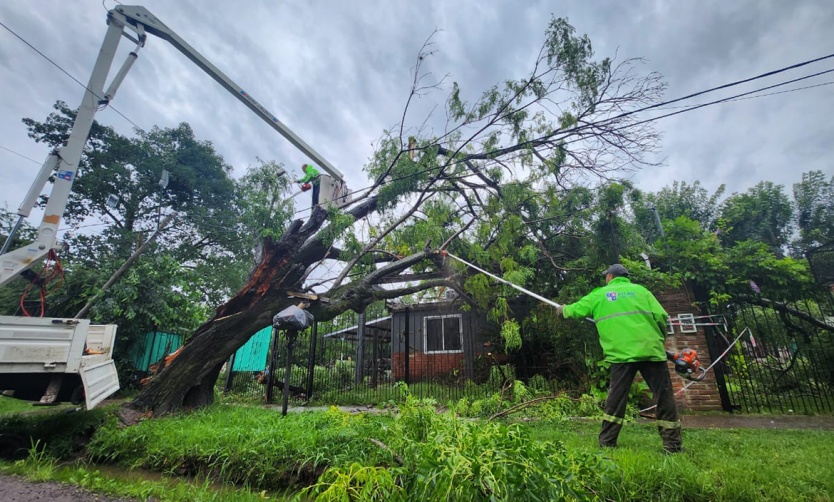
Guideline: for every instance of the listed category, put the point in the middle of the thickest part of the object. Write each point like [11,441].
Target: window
[670,328]
[687,323]
[443,333]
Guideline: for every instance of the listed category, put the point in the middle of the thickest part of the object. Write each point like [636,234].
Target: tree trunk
[188,381]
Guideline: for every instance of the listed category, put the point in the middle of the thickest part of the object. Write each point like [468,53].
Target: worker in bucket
[311,178]
[631,324]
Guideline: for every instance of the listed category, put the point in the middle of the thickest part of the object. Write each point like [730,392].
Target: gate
[784,362]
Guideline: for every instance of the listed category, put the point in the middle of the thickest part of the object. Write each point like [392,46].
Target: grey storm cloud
[339,73]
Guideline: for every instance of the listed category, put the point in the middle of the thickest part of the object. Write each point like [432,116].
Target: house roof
[443,304]
[380,326]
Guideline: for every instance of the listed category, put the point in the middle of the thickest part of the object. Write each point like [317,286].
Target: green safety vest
[630,321]
[311,174]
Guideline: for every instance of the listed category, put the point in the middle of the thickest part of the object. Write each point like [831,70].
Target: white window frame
[442,334]
[670,328]
[687,323]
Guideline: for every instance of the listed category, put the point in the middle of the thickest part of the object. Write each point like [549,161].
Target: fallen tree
[480,187]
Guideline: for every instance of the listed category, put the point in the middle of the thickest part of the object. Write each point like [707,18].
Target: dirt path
[15,489]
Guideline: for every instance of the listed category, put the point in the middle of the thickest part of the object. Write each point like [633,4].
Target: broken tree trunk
[188,381]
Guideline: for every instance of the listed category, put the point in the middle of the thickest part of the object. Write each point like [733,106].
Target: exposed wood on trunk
[188,381]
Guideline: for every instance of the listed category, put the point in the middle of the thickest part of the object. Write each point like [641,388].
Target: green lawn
[719,464]
[250,449]
[12,405]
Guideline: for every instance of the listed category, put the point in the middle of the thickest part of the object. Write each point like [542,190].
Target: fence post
[291,335]
[360,348]
[230,367]
[407,359]
[718,370]
[375,353]
[311,364]
[273,358]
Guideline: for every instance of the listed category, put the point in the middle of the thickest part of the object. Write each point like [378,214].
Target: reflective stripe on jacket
[630,321]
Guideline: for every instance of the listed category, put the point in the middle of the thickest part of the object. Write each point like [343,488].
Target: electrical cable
[56,65]
[758,96]
[602,122]
[51,271]
[20,154]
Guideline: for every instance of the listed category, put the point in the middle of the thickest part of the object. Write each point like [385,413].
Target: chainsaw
[687,364]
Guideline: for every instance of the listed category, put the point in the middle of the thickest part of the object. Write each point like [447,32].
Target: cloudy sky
[338,74]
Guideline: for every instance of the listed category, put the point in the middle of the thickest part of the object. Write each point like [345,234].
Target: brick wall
[700,396]
[421,365]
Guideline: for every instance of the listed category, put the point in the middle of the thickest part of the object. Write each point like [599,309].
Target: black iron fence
[784,360]
[351,360]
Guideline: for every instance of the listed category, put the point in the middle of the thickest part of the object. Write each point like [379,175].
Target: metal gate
[784,361]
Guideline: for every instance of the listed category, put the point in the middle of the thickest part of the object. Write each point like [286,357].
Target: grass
[242,445]
[248,449]
[719,464]
[12,405]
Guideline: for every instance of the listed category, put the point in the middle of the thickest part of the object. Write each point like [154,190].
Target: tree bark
[188,381]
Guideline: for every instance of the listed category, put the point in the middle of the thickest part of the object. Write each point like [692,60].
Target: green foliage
[763,214]
[814,211]
[262,195]
[355,482]
[338,223]
[692,252]
[39,465]
[465,460]
[511,334]
[681,199]
[445,458]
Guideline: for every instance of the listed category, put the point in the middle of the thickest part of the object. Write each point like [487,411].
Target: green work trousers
[656,375]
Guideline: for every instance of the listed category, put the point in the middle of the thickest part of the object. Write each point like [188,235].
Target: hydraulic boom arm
[64,161]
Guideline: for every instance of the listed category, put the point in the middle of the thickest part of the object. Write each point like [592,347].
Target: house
[443,342]
[438,340]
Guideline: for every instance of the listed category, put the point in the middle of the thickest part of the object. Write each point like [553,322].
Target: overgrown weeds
[445,457]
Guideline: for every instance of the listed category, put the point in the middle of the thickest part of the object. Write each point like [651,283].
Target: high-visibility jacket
[630,321]
[311,174]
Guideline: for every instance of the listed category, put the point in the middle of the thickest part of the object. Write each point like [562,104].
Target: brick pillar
[700,396]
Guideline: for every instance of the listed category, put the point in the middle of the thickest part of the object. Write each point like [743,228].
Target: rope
[745,330]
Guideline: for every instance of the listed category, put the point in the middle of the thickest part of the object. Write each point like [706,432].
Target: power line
[760,95]
[736,97]
[724,100]
[56,65]
[20,154]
